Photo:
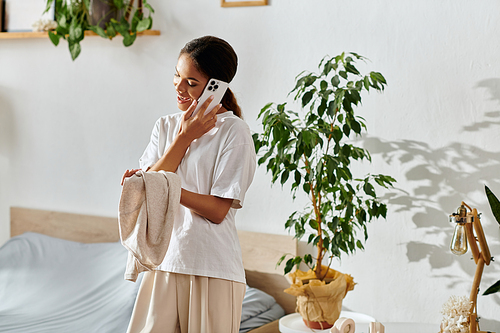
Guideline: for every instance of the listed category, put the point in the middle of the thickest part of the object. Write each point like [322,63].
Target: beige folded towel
[148,204]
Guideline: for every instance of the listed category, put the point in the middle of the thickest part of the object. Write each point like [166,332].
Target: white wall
[69,129]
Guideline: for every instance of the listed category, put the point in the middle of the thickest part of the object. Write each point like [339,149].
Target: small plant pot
[319,302]
[315,325]
[102,11]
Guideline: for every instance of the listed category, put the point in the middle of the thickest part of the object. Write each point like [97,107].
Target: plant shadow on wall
[442,178]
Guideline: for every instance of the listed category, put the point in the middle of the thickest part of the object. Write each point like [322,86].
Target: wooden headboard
[73,227]
[260,251]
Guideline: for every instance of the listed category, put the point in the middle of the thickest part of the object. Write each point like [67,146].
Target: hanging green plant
[313,149]
[74,17]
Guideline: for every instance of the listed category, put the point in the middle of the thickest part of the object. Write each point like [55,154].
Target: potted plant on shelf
[107,18]
[313,150]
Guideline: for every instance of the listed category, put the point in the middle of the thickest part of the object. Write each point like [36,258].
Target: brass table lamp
[468,221]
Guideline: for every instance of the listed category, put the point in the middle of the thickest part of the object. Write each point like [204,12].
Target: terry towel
[148,203]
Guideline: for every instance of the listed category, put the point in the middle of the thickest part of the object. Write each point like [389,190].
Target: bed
[63,272]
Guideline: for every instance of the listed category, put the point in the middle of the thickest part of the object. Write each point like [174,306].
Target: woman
[200,285]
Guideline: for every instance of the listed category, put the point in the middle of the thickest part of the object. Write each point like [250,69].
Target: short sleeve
[151,153]
[234,173]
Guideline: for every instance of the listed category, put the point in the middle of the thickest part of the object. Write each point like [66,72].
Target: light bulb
[459,241]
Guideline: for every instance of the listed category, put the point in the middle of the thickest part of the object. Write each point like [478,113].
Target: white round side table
[293,323]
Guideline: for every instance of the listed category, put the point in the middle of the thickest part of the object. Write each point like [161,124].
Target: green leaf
[355,126]
[75,31]
[346,129]
[118,4]
[144,24]
[308,259]
[346,103]
[110,30]
[326,242]
[306,98]
[284,177]
[148,6]
[265,108]
[335,81]
[129,39]
[62,21]
[306,187]
[298,177]
[493,289]
[313,224]
[337,134]
[290,222]
[323,85]
[281,260]
[368,188]
[49,4]
[378,76]
[299,231]
[289,265]
[54,38]
[494,203]
[366,83]
[98,30]
[74,49]
[264,158]
[332,107]
[322,107]
[351,69]
[382,210]
[346,150]
[121,27]
[309,80]
[311,238]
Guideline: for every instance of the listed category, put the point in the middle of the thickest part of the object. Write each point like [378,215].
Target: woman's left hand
[128,173]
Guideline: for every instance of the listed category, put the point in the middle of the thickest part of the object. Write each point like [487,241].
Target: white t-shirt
[221,163]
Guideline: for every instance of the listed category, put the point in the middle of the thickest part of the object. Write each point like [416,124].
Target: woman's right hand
[193,127]
[128,173]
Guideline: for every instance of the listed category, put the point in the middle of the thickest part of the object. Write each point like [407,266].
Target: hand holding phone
[214,87]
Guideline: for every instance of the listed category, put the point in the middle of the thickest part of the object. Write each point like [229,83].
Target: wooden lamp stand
[480,254]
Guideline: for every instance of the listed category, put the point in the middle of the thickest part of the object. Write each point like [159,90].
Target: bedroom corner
[68,129]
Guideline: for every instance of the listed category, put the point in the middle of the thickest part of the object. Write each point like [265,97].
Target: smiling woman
[213,153]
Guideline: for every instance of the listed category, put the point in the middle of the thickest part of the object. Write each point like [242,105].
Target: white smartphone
[214,87]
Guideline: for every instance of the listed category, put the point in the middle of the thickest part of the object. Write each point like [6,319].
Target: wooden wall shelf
[29,34]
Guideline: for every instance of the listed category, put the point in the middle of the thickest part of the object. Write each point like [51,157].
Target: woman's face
[188,82]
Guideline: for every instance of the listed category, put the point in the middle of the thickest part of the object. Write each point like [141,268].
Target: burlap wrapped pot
[318,301]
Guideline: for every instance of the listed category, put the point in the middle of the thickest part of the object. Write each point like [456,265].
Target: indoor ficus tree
[73,19]
[313,149]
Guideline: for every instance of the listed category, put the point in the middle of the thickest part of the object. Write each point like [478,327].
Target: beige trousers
[178,303]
